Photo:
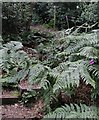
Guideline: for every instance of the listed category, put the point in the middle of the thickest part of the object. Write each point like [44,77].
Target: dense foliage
[73,65]
[64,63]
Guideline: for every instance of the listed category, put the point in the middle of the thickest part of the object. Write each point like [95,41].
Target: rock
[16,105]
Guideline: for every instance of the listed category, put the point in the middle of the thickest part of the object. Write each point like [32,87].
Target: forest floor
[20,111]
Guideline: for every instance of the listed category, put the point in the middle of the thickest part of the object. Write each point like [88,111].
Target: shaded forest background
[20,16]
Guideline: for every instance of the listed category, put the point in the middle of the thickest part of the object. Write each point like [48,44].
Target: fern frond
[89,52]
[86,76]
[94,70]
[14,78]
[70,75]
[74,111]
[44,83]
[78,42]
[36,73]
[14,45]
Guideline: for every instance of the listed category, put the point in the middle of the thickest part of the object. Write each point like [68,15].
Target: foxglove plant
[91,62]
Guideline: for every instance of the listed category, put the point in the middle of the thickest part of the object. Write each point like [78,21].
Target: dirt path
[57,34]
[20,111]
[42,28]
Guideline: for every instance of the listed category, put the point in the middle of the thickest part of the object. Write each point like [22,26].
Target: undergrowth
[69,65]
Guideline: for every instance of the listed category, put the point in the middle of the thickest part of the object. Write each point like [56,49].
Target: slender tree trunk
[28,23]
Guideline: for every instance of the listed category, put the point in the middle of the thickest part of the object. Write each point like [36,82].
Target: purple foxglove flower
[91,62]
